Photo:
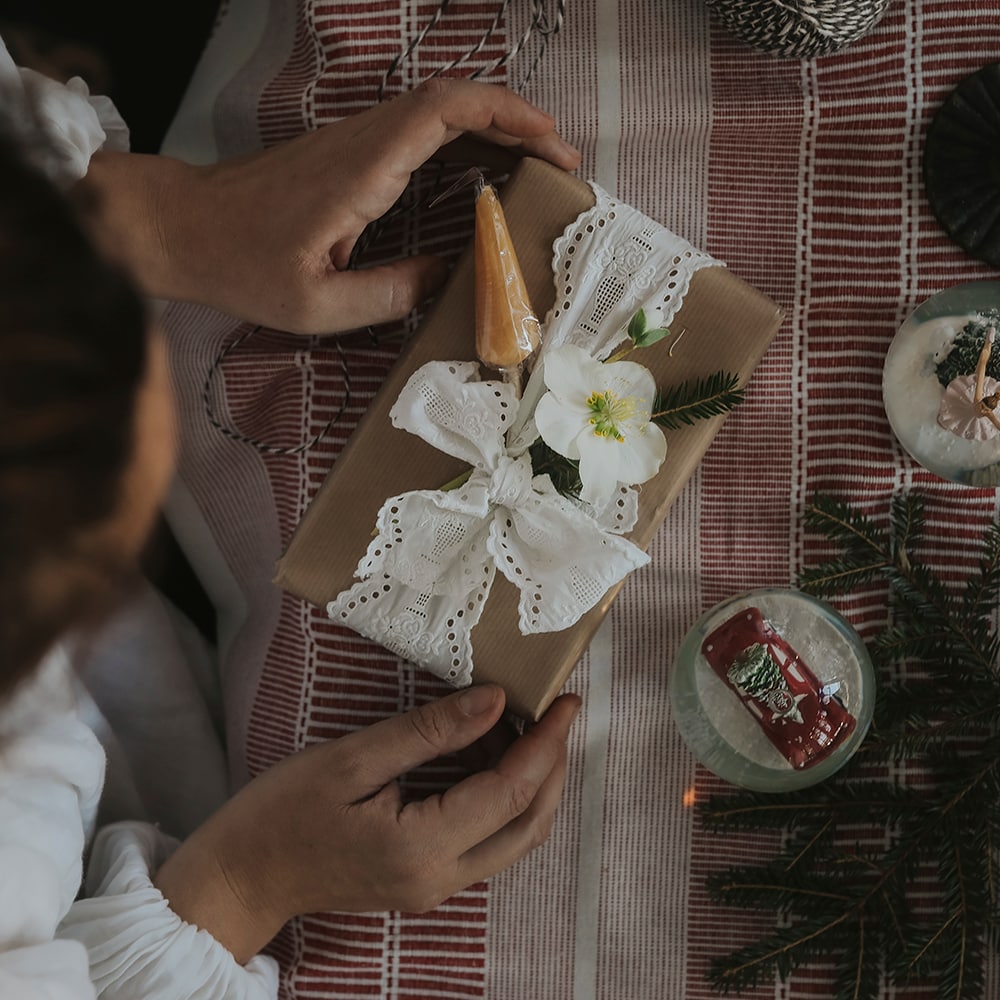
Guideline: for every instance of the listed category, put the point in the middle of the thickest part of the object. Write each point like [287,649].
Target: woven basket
[798,28]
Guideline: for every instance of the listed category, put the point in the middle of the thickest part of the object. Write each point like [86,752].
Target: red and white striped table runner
[804,177]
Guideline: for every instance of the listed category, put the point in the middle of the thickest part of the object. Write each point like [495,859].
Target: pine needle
[894,880]
[697,399]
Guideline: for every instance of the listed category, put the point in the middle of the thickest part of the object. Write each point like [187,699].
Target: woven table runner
[804,178]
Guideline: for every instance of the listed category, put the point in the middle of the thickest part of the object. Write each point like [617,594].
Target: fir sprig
[862,855]
[564,472]
[696,399]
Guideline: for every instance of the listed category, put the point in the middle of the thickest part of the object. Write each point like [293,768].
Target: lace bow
[426,576]
[428,572]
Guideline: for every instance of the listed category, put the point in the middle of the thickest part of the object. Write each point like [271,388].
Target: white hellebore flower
[599,413]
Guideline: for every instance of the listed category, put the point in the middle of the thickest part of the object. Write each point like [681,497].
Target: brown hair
[72,354]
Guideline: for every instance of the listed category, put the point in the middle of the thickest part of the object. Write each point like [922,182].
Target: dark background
[141,55]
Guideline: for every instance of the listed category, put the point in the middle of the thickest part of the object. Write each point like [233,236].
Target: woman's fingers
[286,219]
[518,796]
[375,756]
[424,119]
[521,835]
[551,146]
[346,300]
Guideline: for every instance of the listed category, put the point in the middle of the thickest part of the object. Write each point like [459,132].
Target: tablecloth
[804,177]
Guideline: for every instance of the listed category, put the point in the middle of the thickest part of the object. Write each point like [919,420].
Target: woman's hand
[326,829]
[267,237]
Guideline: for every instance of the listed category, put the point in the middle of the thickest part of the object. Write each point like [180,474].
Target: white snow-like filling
[912,396]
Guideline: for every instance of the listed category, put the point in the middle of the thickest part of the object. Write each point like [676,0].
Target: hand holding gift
[326,829]
[286,219]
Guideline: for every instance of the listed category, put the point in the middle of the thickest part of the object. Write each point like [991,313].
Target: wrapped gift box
[728,325]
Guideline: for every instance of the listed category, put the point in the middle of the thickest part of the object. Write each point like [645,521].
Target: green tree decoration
[963,355]
[894,881]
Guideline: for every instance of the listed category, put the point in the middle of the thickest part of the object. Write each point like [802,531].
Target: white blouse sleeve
[76,124]
[51,772]
[137,946]
[122,942]
[53,971]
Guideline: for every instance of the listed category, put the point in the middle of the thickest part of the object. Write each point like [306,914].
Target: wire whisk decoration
[545,20]
[543,24]
[263,446]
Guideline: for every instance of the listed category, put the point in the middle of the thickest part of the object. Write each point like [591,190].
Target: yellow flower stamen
[610,411]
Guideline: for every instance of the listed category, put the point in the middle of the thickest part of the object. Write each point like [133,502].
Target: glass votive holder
[941,384]
[773,690]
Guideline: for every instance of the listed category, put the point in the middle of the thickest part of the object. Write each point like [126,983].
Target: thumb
[374,295]
[386,750]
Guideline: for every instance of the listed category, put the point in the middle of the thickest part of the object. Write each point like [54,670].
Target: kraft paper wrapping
[728,325]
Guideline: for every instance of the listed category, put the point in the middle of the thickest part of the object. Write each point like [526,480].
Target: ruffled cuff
[137,945]
[76,124]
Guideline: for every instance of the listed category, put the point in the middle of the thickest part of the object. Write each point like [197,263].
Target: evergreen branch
[963,910]
[850,801]
[941,821]
[892,910]
[841,523]
[920,639]
[914,962]
[563,472]
[778,951]
[991,882]
[697,399]
[917,737]
[832,578]
[862,977]
[924,599]
[737,893]
[992,763]
[810,844]
[907,519]
[917,593]
[921,700]
[747,966]
[983,589]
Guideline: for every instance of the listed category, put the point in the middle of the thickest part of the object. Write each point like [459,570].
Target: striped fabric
[805,178]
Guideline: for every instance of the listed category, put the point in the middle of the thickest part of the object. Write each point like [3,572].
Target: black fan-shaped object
[962,164]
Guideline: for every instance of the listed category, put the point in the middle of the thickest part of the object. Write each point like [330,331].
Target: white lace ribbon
[427,574]
[426,577]
[610,262]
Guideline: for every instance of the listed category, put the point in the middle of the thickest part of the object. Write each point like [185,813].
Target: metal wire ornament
[263,446]
[540,25]
[546,30]
[406,204]
[408,50]
[543,25]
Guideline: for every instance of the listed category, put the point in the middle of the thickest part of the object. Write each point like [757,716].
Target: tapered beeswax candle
[507,330]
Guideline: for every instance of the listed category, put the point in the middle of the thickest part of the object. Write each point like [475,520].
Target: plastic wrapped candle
[507,330]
